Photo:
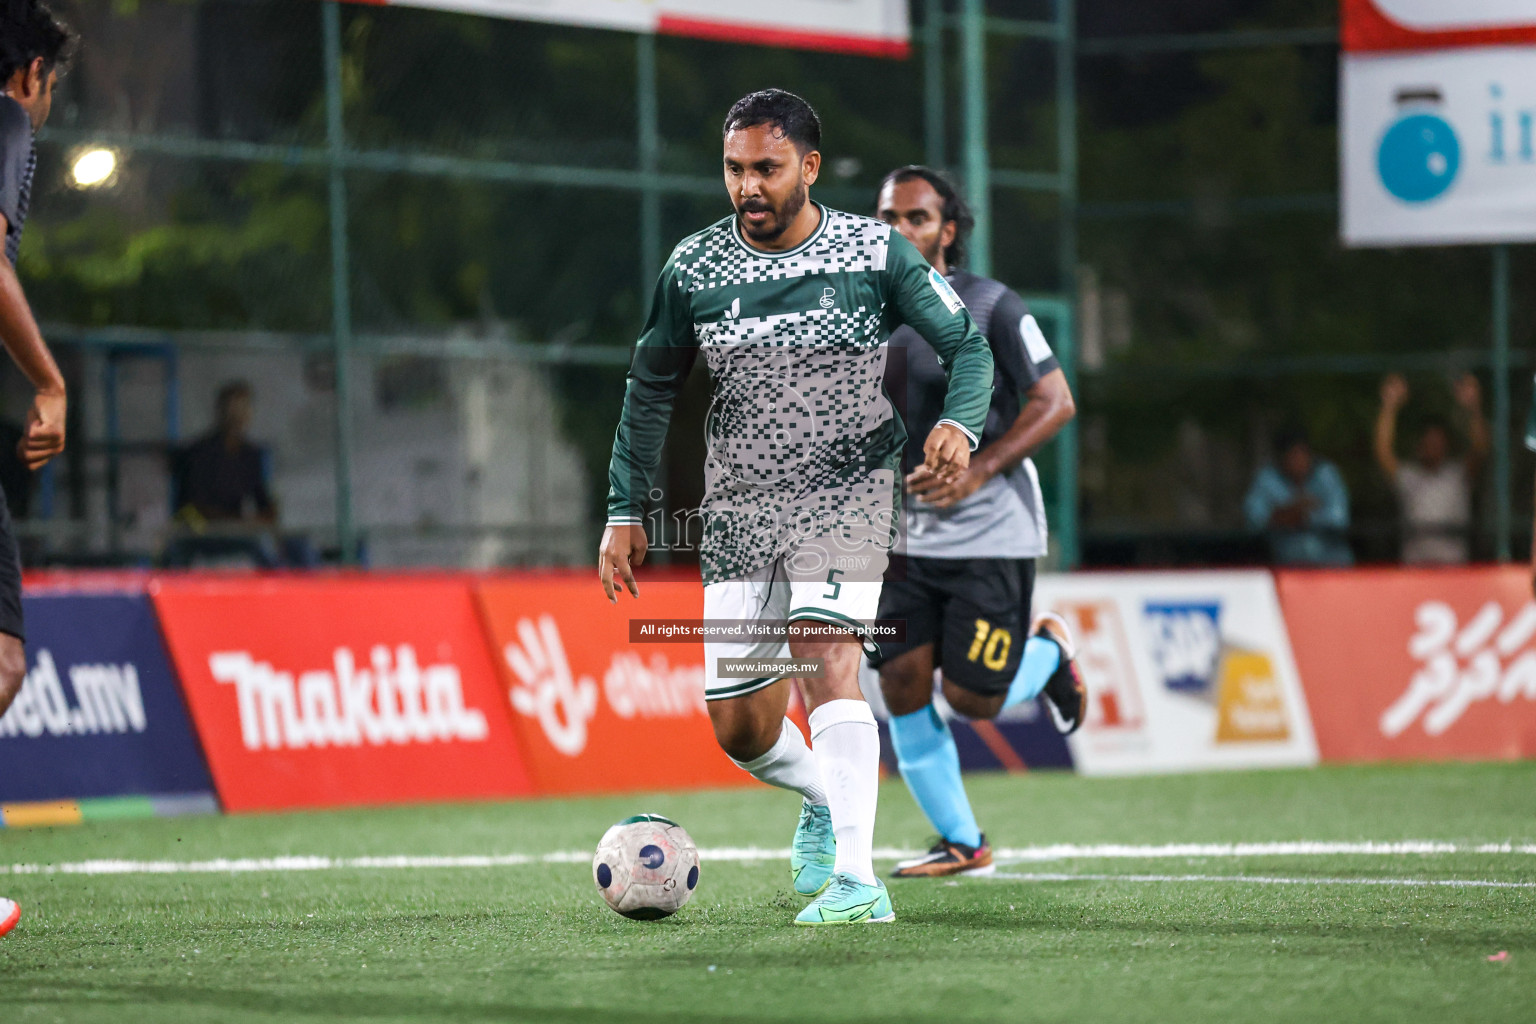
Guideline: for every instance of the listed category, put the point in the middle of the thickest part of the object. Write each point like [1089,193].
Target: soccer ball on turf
[646,866]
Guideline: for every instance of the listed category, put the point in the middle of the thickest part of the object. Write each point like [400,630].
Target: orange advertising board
[322,691]
[596,713]
[1403,664]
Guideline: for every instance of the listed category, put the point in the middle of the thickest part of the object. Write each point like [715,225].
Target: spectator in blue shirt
[1302,504]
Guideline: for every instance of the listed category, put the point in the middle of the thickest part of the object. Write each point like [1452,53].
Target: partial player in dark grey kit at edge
[32,47]
[964,572]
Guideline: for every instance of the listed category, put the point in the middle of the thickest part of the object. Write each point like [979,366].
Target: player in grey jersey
[965,570]
[32,45]
[792,305]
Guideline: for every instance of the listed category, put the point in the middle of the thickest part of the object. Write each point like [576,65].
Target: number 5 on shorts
[837,588]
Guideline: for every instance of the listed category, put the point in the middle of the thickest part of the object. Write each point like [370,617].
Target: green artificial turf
[536,942]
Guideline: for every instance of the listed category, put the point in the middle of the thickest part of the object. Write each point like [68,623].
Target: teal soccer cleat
[849,901]
[814,851]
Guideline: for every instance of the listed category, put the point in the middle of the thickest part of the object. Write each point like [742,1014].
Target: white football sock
[847,744]
[789,764]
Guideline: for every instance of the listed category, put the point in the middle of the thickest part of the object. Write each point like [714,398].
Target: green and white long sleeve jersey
[801,433]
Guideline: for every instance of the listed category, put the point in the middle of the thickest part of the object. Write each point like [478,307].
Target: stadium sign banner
[596,713]
[100,714]
[1437,106]
[333,691]
[874,28]
[1185,672]
[1405,664]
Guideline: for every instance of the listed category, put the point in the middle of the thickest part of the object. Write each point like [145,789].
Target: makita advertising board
[100,714]
[327,691]
[1407,664]
[1185,671]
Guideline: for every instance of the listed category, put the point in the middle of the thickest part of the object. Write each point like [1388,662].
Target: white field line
[1452,883]
[1028,854]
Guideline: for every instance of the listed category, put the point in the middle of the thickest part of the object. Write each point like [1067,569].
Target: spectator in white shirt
[1434,490]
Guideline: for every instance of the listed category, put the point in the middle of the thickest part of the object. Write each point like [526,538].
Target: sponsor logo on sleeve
[1034,339]
[945,293]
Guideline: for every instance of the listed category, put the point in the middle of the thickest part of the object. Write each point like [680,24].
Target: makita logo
[391,700]
[1487,659]
[563,704]
[106,700]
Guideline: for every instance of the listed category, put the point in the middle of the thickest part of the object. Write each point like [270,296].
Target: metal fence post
[1503,520]
[978,170]
[933,84]
[1066,344]
[650,155]
[341,291]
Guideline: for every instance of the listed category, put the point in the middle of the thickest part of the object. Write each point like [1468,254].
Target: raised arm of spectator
[1394,393]
[1469,395]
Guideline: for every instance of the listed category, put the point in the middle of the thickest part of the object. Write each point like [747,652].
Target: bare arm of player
[620,553]
[1394,394]
[44,436]
[1048,407]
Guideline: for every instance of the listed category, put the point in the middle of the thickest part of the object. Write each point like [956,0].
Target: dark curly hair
[954,210]
[784,112]
[28,30]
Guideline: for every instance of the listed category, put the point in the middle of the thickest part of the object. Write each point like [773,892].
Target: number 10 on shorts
[990,645]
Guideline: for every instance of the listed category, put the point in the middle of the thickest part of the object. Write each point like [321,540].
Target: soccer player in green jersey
[792,305]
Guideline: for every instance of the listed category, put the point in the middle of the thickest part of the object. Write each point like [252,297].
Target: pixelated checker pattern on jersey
[717,259]
[796,452]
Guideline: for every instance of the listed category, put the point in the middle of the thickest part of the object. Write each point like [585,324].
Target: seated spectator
[1434,490]
[1302,503]
[221,495]
[221,477]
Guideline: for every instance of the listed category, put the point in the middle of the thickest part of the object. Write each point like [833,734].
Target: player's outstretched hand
[930,490]
[947,452]
[622,549]
[44,437]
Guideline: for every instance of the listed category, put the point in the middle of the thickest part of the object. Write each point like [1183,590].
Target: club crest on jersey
[828,296]
[945,292]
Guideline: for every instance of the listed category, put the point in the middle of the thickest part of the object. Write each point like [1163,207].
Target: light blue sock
[926,754]
[1041,657]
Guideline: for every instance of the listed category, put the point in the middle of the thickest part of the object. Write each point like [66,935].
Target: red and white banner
[1411,665]
[327,691]
[1383,25]
[874,28]
[595,712]
[1185,671]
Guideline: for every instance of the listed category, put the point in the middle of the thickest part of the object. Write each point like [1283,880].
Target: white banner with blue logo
[1185,672]
[1438,147]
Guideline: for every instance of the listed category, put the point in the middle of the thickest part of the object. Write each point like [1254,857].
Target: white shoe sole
[1064,637]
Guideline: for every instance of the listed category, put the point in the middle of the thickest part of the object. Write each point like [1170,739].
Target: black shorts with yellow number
[975,612]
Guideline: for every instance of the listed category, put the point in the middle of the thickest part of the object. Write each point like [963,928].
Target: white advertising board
[1185,672]
[1438,147]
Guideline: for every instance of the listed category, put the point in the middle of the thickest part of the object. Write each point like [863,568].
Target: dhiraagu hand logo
[1419,155]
